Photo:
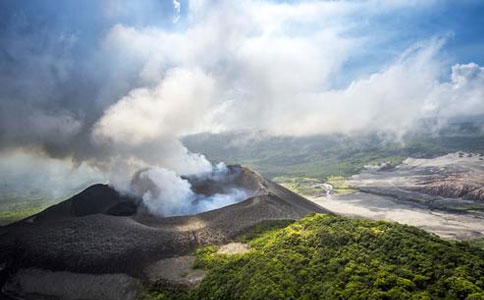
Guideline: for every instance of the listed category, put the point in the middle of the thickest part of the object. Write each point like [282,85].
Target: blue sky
[460,22]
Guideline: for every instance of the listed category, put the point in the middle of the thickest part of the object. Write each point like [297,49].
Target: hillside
[100,235]
[332,257]
[316,157]
[328,155]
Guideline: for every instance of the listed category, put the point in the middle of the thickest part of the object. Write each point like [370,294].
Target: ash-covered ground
[443,195]
[453,181]
[105,241]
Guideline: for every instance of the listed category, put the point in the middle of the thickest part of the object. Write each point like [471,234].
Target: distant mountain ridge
[333,154]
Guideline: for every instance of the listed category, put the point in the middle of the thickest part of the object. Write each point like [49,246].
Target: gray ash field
[102,232]
[442,195]
[449,182]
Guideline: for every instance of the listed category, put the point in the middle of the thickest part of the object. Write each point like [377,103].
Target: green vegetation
[332,257]
[263,227]
[306,186]
[163,290]
[10,216]
[340,185]
[478,243]
[314,187]
[13,209]
[324,156]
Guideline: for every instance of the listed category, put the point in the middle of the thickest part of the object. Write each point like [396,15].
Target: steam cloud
[118,92]
[164,193]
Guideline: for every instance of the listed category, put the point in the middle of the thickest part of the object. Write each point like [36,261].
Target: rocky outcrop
[452,188]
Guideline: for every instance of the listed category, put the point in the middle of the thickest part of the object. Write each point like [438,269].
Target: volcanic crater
[100,231]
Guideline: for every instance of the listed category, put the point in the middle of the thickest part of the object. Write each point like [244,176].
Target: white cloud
[269,66]
[146,122]
[463,95]
[177,8]
[178,103]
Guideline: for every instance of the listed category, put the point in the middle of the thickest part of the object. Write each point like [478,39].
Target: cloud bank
[271,67]
[126,86]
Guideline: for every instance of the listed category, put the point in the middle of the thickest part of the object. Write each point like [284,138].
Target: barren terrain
[443,195]
[101,232]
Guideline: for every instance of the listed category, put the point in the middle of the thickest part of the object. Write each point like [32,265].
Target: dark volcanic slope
[99,231]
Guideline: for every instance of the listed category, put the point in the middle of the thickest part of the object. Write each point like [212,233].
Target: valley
[442,195]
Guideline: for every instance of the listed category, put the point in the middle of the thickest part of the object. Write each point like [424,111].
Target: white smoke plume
[144,125]
[164,193]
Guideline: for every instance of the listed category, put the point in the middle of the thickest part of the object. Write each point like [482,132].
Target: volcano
[107,239]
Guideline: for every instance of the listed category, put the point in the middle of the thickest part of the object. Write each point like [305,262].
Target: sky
[101,84]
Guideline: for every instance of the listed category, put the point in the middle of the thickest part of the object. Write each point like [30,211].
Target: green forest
[333,257]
